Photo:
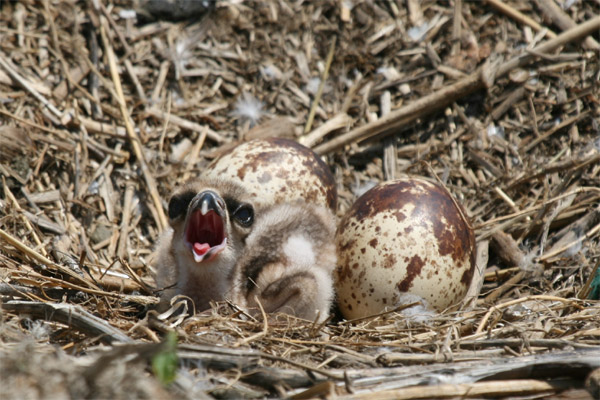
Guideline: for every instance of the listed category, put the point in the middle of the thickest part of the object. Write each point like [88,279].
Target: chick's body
[288,262]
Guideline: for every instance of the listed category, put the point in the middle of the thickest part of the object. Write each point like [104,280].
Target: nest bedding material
[104,111]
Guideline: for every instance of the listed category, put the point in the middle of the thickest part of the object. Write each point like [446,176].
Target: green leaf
[164,364]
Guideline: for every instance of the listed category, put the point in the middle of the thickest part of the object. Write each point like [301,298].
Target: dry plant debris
[105,108]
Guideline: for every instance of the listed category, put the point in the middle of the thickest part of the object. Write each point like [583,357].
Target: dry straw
[103,115]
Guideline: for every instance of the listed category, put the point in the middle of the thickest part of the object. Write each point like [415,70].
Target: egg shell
[403,236]
[277,170]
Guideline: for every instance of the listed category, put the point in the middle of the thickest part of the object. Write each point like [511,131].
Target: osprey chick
[219,247]
[209,220]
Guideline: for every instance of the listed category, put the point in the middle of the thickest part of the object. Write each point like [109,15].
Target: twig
[108,86]
[77,73]
[136,82]
[163,133]
[70,147]
[42,259]
[330,374]
[507,249]
[143,300]
[160,81]
[193,157]
[496,368]
[390,359]
[381,314]
[509,284]
[569,164]
[116,283]
[60,134]
[551,10]
[101,128]
[135,277]
[92,39]
[499,307]
[481,261]
[161,221]
[27,86]
[518,16]
[71,315]
[456,27]
[520,342]
[532,209]
[185,124]
[337,122]
[259,334]
[514,97]
[501,388]
[187,351]
[555,129]
[390,151]
[55,41]
[323,390]
[115,28]
[30,229]
[315,104]
[447,95]
[553,253]
[506,199]
[122,248]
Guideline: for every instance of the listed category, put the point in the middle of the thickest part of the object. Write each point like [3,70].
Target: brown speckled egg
[402,237]
[277,170]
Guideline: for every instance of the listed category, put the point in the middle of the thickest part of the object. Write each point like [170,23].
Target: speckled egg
[403,237]
[278,170]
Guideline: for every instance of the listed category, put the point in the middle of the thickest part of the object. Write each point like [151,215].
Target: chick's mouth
[205,235]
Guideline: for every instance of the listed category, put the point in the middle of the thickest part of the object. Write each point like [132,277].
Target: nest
[105,111]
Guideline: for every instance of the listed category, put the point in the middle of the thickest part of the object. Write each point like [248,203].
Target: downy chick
[288,262]
[209,222]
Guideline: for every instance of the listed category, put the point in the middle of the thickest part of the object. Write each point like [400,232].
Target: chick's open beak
[205,226]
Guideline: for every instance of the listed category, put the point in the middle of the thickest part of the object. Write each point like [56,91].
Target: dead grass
[103,115]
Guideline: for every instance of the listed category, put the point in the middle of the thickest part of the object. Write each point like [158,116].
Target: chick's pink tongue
[201,248]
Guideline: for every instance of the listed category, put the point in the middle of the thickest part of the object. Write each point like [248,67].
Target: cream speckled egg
[403,237]
[277,170]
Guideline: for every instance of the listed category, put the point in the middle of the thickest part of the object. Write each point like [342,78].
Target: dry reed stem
[517,15]
[521,387]
[41,259]
[564,22]
[30,229]
[324,76]
[134,140]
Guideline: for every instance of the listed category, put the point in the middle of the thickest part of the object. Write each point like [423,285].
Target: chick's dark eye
[179,203]
[244,215]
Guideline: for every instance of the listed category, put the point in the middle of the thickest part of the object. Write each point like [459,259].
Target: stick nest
[105,111]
